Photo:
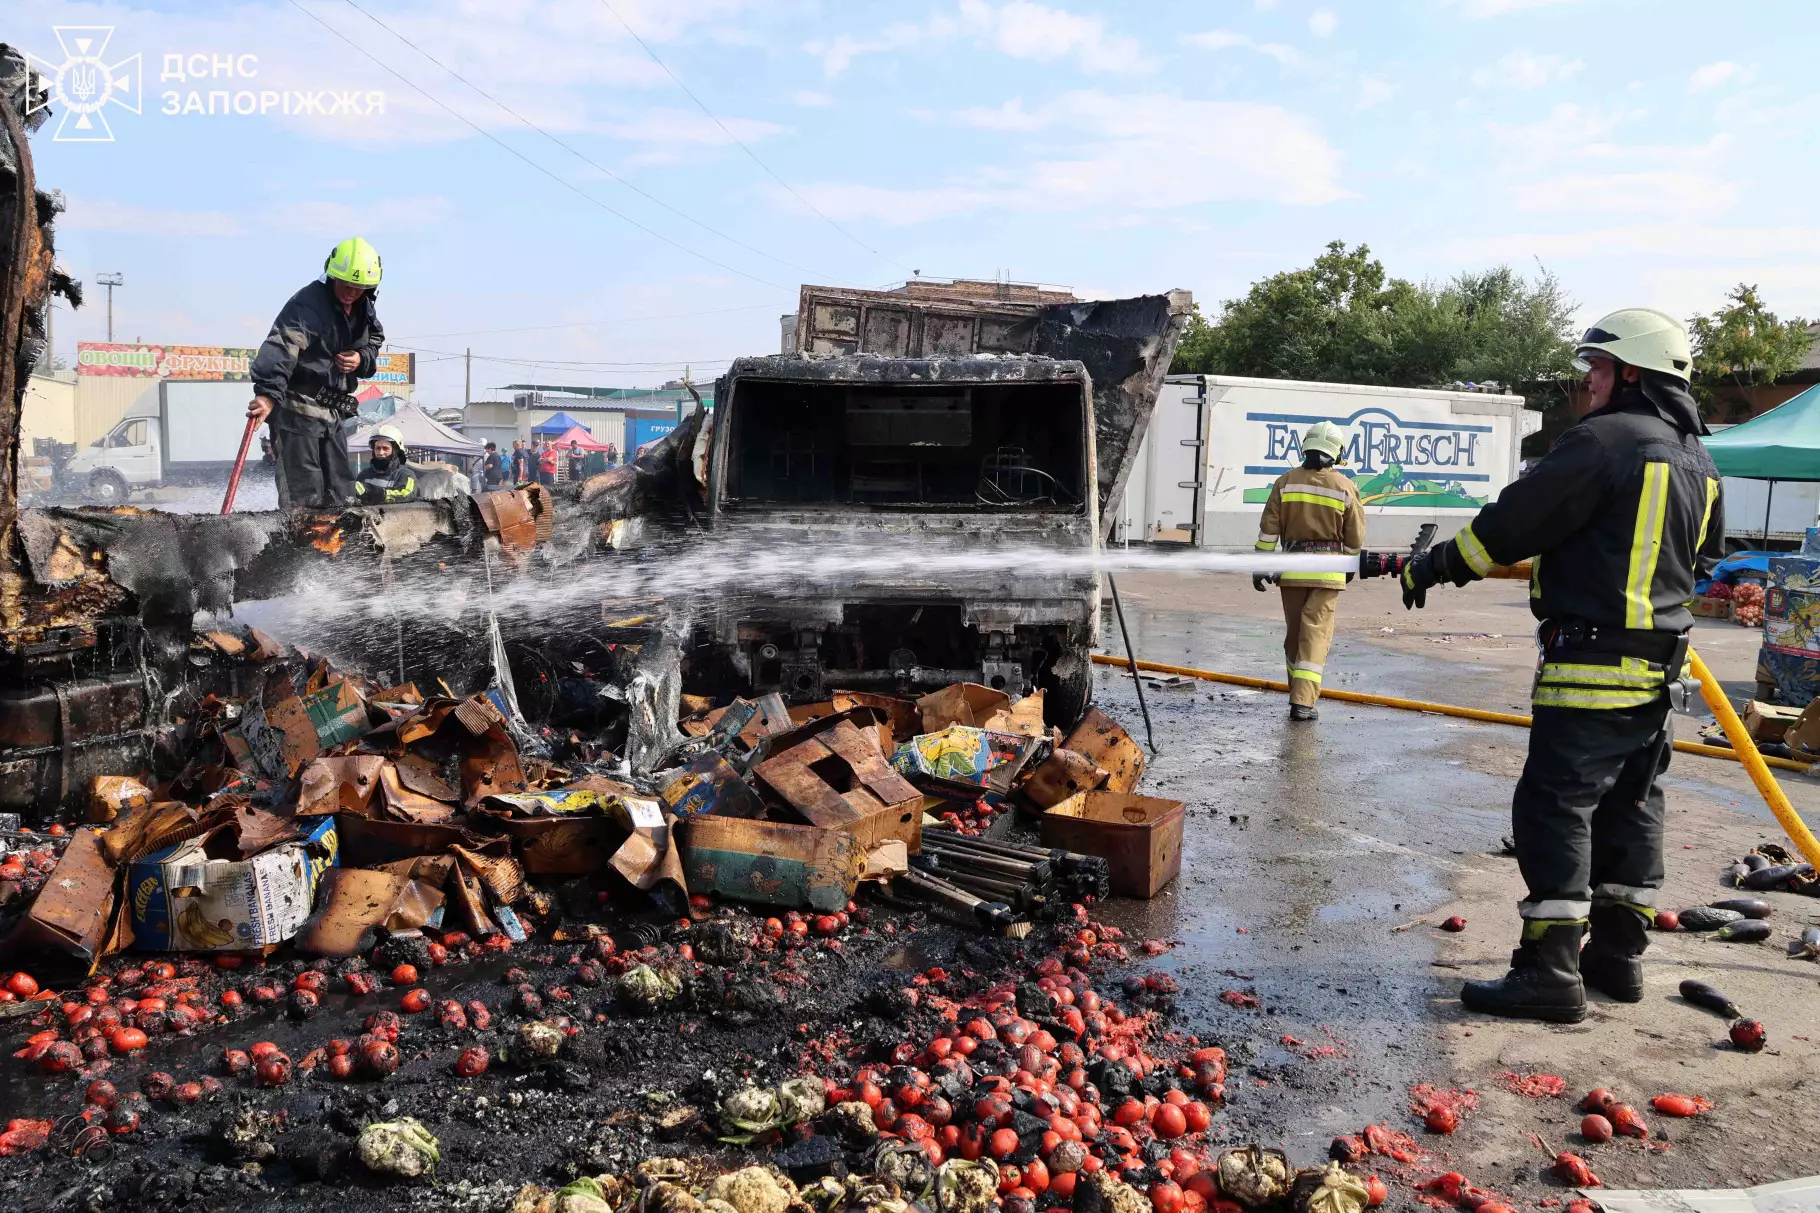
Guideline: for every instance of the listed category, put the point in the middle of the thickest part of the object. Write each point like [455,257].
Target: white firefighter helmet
[1325,437]
[1641,337]
[391,434]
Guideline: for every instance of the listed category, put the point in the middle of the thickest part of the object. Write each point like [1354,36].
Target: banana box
[184,898]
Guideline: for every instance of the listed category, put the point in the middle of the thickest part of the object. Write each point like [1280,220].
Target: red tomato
[1036,1175]
[1197,1115]
[1004,1143]
[1129,1113]
[22,985]
[1166,1197]
[1063,1185]
[1203,1184]
[126,1040]
[404,975]
[1169,1122]
[414,1000]
[979,1029]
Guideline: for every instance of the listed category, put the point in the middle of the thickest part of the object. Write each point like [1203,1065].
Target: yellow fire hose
[1744,751]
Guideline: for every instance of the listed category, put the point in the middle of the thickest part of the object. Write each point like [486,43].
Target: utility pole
[467,378]
[110,281]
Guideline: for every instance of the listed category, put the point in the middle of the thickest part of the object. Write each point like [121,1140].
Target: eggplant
[1808,946]
[1746,930]
[1738,873]
[1756,862]
[1750,907]
[1771,877]
[1706,918]
[1703,995]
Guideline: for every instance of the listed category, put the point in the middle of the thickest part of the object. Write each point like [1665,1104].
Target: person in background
[492,468]
[521,466]
[546,462]
[1313,508]
[612,455]
[575,458]
[325,340]
[386,479]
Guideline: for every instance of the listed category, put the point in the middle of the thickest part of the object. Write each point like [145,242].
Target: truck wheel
[107,488]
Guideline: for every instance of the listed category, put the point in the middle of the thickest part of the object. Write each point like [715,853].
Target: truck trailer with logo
[1216,442]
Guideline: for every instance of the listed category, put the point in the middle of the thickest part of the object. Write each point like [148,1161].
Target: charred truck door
[933,520]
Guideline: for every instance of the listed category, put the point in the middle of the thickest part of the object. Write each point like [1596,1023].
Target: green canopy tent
[1782,444]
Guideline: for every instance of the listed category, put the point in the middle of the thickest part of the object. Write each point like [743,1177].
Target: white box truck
[176,432]
[1216,442]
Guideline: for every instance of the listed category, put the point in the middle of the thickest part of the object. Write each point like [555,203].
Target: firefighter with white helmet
[325,340]
[1312,508]
[386,479]
[1617,521]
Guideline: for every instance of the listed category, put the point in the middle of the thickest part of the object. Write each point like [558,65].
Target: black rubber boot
[1302,711]
[1544,978]
[1612,962]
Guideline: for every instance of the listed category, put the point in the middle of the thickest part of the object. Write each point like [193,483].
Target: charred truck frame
[961,447]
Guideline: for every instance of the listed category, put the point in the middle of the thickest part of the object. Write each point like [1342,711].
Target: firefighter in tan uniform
[1313,508]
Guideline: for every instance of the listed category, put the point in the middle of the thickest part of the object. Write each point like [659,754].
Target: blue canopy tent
[1782,444]
[561,423]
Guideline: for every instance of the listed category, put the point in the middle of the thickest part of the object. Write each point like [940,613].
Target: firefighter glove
[1260,582]
[1418,575]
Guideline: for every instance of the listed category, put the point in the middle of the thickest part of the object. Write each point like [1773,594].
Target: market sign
[132,361]
[394,368]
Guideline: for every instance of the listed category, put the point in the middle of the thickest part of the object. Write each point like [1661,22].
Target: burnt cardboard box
[838,779]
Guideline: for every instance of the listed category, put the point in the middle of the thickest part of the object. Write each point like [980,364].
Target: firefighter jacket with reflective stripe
[389,485]
[1617,520]
[1312,511]
[297,361]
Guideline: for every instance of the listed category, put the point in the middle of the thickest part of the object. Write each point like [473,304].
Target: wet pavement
[1305,845]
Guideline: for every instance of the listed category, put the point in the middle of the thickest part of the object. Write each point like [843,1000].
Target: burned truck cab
[929,521]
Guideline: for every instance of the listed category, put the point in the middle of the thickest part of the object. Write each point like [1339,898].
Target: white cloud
[1142,153]
[810,99]
[1523,70]
[1677,241]
[1662,193]
[672,126]
[1712,75]
[1224,39]
[89,213]
[1322,22]
[326,218]
[1018,29]
[837,56]
[1497,8]
[1375,90]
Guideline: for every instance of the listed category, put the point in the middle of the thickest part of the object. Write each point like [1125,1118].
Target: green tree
[1343,319]
[1742,344]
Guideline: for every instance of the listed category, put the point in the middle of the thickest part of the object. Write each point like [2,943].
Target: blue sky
[1647,152]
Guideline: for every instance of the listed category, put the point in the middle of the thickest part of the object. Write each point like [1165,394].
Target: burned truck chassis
[901,647]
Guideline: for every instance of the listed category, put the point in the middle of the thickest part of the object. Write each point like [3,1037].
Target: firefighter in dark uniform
[1617,521]
[386,479]
[325,340]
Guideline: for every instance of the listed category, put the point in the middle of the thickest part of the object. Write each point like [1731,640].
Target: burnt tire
[1067,685]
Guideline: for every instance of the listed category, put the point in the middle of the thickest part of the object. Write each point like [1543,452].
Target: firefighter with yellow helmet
[325,340]
[1617,520]
[1312,508]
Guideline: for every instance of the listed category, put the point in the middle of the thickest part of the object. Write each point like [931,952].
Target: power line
[579,155]
[544,328]
[742,144]
[568,185]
